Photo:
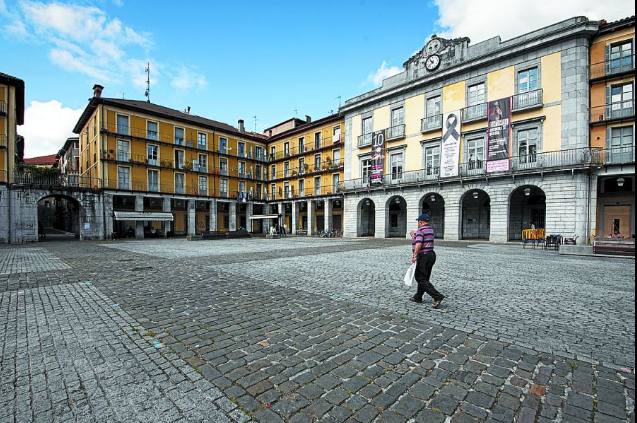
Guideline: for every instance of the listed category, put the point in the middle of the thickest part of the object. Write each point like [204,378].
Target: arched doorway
[396,221]
[58,218]
[366,218]
[434,204]
[527,210]
[476,215]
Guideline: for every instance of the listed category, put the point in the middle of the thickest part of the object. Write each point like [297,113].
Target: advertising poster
[498,135]
[378,157]
[450,154]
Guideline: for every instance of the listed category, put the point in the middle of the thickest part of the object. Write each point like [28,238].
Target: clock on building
[433,46]
[432,62]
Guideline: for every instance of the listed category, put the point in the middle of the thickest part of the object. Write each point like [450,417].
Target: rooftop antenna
[122,95]
[255,123]
[339,101]
[296,112]
[147,92]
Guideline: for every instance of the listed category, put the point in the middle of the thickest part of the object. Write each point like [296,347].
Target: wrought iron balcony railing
[612,67]
[395,132]
[365,140]
[474,112]
[431,123]
[617,110]
[528,100]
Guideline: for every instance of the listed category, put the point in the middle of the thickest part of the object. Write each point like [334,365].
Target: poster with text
[450,154]
[498,135]
[378,157]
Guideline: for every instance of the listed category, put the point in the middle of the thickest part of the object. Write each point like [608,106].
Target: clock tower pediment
[438,53]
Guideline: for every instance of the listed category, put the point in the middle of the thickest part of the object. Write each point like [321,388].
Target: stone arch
[396,217]
[434,204]
[58,216]
[527,210]
[475,214]
[366,218]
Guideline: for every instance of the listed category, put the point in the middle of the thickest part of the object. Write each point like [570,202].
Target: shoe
[414,300]
[437,304]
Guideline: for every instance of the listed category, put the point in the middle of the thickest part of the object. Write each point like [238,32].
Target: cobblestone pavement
[320,344]
[25,260]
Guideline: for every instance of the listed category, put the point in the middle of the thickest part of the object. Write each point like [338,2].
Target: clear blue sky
[257,58]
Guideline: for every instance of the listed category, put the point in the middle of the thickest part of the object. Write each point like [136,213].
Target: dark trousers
[424,264]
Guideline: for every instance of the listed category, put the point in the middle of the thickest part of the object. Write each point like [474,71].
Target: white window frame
[117,128]
[153,161]
[200,136]
[183,138]
[183,185]
[155,172]
[148,132]
[128,178]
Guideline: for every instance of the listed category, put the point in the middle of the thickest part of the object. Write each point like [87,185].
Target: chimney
[97,90]
[241,126]
[308,119]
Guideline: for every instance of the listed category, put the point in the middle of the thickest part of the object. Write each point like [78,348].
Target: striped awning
[137,216]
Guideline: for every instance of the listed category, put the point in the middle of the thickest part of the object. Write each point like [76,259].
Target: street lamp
[397,200]
[432,198]
[620,182]
[527,191]
[475,195]
[367,202]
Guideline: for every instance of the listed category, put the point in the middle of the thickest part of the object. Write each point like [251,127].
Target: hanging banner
[378,157]
[450,154]
[498,135]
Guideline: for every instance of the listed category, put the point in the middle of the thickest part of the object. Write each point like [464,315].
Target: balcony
[528,100]
[180,165]
[614,111]
[223,171]
[179,141]
[3,140]
[395,132]
[473,167]
[56,180]
[199,168]
[365,140]
[122,156]
[613,67]
[431,123]
[620,155]
[153,187]
[3,108]
[474,112]
[180,189]
[153,162]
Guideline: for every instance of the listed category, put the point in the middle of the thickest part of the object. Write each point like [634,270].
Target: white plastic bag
[410,275]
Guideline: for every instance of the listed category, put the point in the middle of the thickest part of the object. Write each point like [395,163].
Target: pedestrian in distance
[422,244]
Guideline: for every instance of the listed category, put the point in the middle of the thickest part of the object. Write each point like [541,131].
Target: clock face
[433,46]
[432,63]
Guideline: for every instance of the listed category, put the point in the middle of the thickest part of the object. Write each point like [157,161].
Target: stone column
[248,216]
[191,217]
[499,215]
[281,210]
[232,217]
[327,215]
[212,218]
[310,217]
[139,225]
[166,207]
[108,216]
[294,217]
[380,223]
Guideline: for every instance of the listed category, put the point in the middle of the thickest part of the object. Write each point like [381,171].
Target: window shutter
[607,58]
[608,137]
[606,113]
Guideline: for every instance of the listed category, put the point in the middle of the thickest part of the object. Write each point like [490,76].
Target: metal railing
[365,140]
[3,108]
[474,112]
[306,193]
[395,132]
[310,147]
[528,100]
[615,155]
[431,123]
[56,180]
[617,110]
[307,170]
[3,140]
[613,67]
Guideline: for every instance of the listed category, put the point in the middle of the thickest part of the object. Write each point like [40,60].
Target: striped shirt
[425,236]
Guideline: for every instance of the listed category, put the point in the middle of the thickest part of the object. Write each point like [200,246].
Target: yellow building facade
[11,116]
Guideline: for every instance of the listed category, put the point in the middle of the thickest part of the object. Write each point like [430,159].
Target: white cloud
[483,19]
[186,79]
[46,126]
[384,71]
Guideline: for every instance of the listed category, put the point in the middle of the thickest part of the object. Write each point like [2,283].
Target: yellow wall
[501,83]
[414,112]
[453,97]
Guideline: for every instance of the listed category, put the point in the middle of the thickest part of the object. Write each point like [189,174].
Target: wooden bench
[614,247]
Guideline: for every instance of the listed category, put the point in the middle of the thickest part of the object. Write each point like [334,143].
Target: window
[621,101]
[202,140]
[258,172]
[179,136]
[258,151]
[620,56]
[179,159]
[317,185]
[123,150]
[272,152]
[336,157]
[273,191]
[286,149]
[396,164]
[476,94]
[286,189]
[528,80]
[301,145]
[273,171]
[153,180]
[242,187]
[301,166]
[122,124]
[475,153]
[397,128]
[180,186]
[202,163]
[151,130]
[123,177]
[335,182]
[621,143]
[223,145]
[241,147]
[336,134]
[317,162]
[153,154]
[223,166]
[432,160]
[286,169]
[242,169]
[434,106]
[528,145]
[367,131]
[317,140]
[366,169]
[203,185]
[223,187]
[302,187]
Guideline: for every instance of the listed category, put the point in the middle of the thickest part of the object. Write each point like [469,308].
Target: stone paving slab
[538,299]
[69,353]
[27,260]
